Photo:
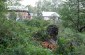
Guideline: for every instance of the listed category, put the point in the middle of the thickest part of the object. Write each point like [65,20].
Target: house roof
[17,8]
[50,14]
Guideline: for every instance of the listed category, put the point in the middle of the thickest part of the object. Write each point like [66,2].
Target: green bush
[37,50]
[40,35]
[15,39]
[70,42]
[37,28]
[11,36]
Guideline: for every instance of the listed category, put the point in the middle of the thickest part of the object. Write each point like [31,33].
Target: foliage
[41,35]
[36,23]
[9,36]
[13,2]
[12,16]
[16,37]
[72,14]
[46,5]
[16,40]
[2,8]
[38,51]
[69,42]
[37,28]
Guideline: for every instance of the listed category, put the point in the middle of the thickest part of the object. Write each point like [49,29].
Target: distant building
[50,15]
[20,11]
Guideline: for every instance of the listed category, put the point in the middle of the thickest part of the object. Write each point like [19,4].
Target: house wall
[19,15]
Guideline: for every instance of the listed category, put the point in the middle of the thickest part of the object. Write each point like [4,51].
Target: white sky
[28,2]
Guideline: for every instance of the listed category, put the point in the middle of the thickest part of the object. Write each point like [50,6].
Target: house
[20,11]
[50,15]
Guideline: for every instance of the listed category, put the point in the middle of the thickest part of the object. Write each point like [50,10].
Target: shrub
[69,42]
[15,40]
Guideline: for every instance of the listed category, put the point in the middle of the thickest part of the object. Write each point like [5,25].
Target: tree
[13,2]
[31,9]
[2,8]
[51,6]
[45,5]
[72,14]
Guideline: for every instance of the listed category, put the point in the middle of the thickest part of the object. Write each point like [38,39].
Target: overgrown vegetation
[17,38]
